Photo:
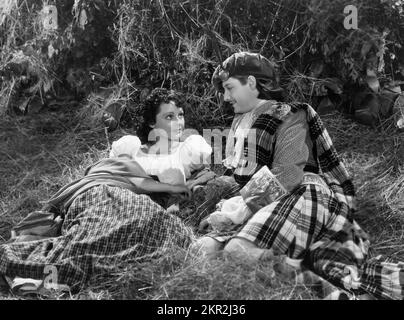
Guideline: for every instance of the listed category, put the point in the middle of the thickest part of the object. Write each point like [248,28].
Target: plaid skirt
[316,231]
[103,227]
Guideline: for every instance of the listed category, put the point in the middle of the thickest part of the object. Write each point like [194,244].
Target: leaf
[400,124]
[386,102]
[368,111]
[326,49]
[326,106]
[51,51]
[365,117]
[47,85]
[23,106]
[144,93]
[35,105]
[83,19]
[316,68]
[365,49]
[398,112]
[334,85]
[372,81]
[394,86]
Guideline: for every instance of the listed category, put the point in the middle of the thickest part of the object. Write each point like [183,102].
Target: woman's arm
[148,185]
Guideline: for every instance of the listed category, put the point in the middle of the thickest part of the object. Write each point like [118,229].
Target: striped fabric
[38,224]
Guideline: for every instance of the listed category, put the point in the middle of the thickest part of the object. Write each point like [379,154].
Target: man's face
[241,96]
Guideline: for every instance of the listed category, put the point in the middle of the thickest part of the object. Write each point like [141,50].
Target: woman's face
[169,121]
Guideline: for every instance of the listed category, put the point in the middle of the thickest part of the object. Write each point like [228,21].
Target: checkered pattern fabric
[290,225]
[104,226]
[328,163]
[314,223]
[341,261]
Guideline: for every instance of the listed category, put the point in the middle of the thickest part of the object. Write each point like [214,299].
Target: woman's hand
[216,221]
[181,189]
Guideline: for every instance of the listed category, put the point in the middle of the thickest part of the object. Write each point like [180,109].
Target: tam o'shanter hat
[247,64]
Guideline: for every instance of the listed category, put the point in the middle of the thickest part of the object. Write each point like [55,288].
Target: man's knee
[206,245]
[247,249]
[237,245]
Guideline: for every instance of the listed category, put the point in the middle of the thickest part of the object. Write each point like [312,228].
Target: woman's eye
[169,117]
[181,115]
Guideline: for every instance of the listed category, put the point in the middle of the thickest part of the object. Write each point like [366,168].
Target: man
[312,224]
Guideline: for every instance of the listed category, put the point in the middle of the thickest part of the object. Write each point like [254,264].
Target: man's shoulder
[281,116]
[285,111]
[275,109]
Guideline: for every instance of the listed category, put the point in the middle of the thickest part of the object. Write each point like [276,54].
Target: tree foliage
[133,46]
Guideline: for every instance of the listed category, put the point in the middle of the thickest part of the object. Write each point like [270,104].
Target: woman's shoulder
[129,138]
[128,144]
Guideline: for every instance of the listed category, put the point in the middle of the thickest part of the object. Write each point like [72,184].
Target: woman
[312,223]
[160,147]
[107,216]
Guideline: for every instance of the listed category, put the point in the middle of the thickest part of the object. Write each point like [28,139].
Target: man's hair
[240,65]
[263,91]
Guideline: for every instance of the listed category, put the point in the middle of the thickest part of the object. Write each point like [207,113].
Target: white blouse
[174,168]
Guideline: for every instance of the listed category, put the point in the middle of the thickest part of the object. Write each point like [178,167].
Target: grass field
[41,153]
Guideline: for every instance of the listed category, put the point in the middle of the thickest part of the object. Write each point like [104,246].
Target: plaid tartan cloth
[104,226]
[265,125]
[314,223]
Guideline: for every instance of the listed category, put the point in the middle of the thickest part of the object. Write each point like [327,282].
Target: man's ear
[252,82]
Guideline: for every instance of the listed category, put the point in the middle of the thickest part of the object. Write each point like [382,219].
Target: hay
[33,171]
[179,274]
[154,46]
[375,159]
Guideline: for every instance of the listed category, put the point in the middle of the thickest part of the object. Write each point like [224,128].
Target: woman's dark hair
[264,88]
[151,107]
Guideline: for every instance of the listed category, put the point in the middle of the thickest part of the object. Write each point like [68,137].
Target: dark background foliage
[110,54]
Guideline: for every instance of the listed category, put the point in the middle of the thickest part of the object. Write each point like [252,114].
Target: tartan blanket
[110,171]
[265,123]
[104,225]
[315,222]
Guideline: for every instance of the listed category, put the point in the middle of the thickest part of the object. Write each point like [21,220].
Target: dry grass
[376,160]
[40,154]
[180,275]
